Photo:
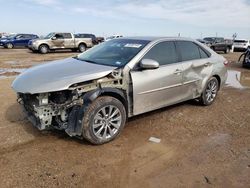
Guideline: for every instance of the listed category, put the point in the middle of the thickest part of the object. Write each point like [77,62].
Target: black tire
[43,49]
[9,45]
[90,132]
[204,100]
[82,48]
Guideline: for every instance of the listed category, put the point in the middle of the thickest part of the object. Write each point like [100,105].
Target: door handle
[178,71]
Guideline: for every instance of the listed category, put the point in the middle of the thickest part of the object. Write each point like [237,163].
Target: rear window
[240,41]
[66,35]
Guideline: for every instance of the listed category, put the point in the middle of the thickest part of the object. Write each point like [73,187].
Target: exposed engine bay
[64,110]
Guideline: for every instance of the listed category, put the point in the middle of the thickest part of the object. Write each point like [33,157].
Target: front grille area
[29,102]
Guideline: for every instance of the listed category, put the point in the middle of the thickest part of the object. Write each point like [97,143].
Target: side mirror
[53,38]
[149,64]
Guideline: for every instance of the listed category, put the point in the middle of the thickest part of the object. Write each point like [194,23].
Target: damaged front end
[64,110]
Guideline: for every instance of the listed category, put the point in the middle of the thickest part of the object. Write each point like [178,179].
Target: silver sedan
[92,95]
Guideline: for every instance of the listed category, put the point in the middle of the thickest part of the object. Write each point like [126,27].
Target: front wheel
[103,120]
[9,45]
[43,49]
[210,92]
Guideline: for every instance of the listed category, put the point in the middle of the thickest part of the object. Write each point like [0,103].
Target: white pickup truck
[59,41]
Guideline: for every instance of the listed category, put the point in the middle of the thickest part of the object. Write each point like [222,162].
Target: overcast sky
[190,18]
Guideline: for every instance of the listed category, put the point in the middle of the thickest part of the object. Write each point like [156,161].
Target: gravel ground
[200,146]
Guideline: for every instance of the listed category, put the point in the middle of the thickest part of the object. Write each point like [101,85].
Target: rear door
[196,67]
[153,89]
[27,38]
[68,40]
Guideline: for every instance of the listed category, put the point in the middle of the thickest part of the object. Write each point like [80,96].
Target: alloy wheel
[107,122]
[211,91]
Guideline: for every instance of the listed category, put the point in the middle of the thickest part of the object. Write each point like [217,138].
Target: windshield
[49,35]
[11,36]
[117,52]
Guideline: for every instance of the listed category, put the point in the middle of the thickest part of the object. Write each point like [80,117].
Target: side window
[188,50]
[164,53]
[28,36]
[67,35]
[59,36]
[19,36]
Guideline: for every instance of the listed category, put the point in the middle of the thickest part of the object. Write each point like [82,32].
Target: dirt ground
[200,146]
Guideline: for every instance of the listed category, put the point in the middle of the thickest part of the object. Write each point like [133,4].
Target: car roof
[156,38]
[24,34]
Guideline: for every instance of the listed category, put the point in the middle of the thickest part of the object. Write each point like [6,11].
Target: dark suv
[83,35]
[219,44]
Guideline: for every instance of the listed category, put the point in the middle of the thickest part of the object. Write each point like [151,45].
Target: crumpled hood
[58,75]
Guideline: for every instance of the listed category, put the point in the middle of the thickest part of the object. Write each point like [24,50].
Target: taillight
[225,62]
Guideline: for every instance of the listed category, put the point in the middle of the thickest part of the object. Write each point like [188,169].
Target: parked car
[100,39]
[241,44]
[113,37]
[92,95]
[18,40]
[218,44]
[60,41]
[201,41]
[91,36]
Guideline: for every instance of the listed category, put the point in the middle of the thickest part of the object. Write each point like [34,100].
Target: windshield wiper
[87,60]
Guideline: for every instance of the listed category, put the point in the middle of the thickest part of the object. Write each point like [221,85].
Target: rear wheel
[9,45]
[103,120]
[82,47]
[43,49]
[210,92]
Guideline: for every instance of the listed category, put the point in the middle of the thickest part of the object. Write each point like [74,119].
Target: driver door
[156,88]
[20,40]
[58,41]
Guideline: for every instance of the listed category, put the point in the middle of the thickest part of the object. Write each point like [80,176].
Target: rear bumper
[240,48]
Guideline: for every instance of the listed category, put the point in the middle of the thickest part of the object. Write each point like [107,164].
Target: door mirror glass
[53,38]
[149,64]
